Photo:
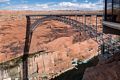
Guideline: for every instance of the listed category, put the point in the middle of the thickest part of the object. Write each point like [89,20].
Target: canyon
[59,45]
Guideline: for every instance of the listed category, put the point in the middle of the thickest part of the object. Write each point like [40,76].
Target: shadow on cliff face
[78,72]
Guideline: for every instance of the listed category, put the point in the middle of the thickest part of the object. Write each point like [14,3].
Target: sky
[51,5]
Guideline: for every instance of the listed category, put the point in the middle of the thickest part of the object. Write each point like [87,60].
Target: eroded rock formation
[106,70]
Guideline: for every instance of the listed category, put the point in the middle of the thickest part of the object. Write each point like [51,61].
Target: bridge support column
[65,19]
[76,17]
[71,22]
[91,21]
[79,20]
[85,22]
[96,27]
[26,49]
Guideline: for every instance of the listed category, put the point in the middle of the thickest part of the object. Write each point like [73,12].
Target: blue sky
[51,4]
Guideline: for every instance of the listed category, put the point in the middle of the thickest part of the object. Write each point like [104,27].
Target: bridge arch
[76,24]
[65,20]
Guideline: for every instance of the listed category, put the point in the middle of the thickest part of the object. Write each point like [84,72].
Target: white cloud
[2,1]
[59,6]
[42,5]
[68,4]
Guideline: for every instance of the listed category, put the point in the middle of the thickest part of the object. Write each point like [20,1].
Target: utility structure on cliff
[72,19]
[111,24]
[111,21]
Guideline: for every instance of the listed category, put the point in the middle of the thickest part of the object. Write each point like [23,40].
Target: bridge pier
[91,21]
[96,27]
[26,48]
[76,17]
[85,22]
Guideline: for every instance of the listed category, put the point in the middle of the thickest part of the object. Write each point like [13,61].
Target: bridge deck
[67,14]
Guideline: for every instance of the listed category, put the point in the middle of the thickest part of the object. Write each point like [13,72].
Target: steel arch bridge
[34,20]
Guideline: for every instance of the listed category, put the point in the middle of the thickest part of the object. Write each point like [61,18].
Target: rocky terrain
[105,70]
[12,33]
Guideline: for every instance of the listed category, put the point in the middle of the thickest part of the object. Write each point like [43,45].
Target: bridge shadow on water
[77,74]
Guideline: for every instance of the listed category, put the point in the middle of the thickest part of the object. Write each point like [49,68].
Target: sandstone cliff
[105,70]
